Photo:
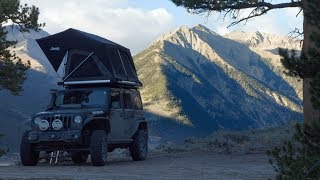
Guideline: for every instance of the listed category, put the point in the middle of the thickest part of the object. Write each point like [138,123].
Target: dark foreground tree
[12,69]
[300,157]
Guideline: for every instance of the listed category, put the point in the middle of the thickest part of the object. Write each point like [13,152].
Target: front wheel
[28,156]
[98,148]
[139,146]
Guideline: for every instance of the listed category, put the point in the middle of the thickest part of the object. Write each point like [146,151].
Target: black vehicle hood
[85,111]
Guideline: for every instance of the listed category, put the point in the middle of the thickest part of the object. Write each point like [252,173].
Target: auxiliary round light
[43,125]
[57,124]
[37,120]
[77,119]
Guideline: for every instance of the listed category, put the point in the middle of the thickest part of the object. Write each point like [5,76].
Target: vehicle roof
[93,88]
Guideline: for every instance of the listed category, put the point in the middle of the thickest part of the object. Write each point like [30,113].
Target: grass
[229,142]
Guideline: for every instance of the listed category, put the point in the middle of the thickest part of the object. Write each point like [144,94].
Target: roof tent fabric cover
[105,60]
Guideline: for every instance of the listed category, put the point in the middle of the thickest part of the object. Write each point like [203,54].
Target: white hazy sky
[136,23]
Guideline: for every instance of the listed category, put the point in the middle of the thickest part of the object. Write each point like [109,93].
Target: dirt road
[191,165]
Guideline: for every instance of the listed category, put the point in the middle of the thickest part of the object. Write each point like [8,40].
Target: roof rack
[101,83]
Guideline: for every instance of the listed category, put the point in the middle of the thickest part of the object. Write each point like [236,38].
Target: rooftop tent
[88,59]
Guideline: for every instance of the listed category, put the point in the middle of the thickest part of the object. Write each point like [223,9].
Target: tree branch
[223,5]
[233,7]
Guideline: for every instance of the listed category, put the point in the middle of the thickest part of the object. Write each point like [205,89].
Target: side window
[137,102]
[127,101]
[115,100]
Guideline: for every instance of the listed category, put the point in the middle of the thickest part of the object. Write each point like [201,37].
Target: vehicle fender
[97,123]
[141,124]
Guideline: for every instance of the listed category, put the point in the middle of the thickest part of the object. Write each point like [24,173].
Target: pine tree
[300,157]
[12,70]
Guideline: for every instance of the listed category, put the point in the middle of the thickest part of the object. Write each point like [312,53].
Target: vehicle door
[128,113]
[138,112]
[116,117]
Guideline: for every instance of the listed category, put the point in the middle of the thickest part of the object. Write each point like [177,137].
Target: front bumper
[61,136]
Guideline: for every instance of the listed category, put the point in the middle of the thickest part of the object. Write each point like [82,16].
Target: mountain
[266,45]
[15,110]
[196,81]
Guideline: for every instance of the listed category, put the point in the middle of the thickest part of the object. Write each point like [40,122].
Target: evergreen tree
[300,157]
[12,69]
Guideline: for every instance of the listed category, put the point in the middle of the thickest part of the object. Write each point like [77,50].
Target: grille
[66,120]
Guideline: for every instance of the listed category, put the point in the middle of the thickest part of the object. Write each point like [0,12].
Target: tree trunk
[309,112]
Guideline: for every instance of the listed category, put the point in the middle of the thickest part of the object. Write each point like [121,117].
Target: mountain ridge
[197,54]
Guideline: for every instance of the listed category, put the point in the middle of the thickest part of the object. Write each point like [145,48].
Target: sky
[137,23]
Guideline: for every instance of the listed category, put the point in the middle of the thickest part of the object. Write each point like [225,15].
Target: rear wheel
[139,146]
[28,156]
[79,157]
[98,148]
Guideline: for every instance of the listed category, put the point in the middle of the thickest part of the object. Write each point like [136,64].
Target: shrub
[298,158]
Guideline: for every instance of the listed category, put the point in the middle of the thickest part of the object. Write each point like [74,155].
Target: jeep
[88,120]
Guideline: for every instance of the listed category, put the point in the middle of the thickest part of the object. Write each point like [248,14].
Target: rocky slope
[204,82]
[266,45]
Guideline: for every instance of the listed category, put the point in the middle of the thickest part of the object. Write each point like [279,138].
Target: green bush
[298,158]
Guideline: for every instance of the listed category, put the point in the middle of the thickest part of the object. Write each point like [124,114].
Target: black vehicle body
[120,117]
[100,108]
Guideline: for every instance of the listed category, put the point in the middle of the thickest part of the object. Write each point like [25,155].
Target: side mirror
[53,93]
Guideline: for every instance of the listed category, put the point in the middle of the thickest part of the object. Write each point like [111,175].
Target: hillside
[266,45]
[201,82]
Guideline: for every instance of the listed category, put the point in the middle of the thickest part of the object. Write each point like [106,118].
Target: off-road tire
[79,157]
[28,156]
[139,147]
[98,148]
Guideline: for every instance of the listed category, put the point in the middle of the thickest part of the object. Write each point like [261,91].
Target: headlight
[57,124]
[37,120]
[43,125]
[77,119]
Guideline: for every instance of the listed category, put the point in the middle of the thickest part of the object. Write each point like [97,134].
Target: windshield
[83,98]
